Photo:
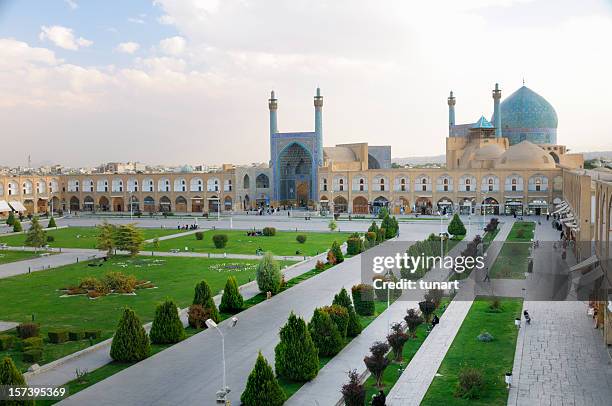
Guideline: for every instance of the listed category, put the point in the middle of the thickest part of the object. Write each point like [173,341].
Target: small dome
[525,155]
[186,169]
[490,151]
[339,154]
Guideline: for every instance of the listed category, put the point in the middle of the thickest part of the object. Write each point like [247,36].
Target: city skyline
[188,82]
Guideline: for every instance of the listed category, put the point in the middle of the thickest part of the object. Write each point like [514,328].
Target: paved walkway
[46,262]
[560,358]
[411,387]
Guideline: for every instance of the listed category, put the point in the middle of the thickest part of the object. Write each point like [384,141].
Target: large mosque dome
[525,115]
[525,155]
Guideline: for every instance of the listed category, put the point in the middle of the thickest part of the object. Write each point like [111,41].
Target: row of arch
[150,205]
[444,183]
[28,187]
[149,185]
[262,181]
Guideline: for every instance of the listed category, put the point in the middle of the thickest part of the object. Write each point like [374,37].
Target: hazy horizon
[187,82]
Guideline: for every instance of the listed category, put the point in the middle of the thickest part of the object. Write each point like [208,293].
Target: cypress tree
[269,276]
[296,356]
[203,297]
[325,334]
[10,376]
[130,343]
[262,388]
[51,223]
[343,299]
[17,226]
[456,226]
[167,327]
[10,220]
[335,248]
[36,236]
[231,301]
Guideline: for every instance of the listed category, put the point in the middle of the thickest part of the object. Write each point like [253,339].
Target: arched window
[246,182]
[324,184]
[262,181]
[196,185]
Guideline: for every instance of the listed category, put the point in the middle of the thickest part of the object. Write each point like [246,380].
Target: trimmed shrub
[413,320]
[167,327]
[76,335]
[470,383]
[296,356]
[27,330]
[6,341]
[331,258]
[269,231]
[340,317]
[335,248]
[301,238]
[220,240]
[199,235]
[17,226]
[51,223]
[353,328]
[332,224]
[231,301]
[93,334]
[32,355]
[197,316]
[325,334]
[354,246]
[456,227]
[203,297]
[269,276]
[396,339]
[130,343]
[29,343]
[50,238]
[371,237]
[485,337]
[11,376]
[58,336]
[353,392]
[377,361]
[363,299]
[262,388]
[320,265]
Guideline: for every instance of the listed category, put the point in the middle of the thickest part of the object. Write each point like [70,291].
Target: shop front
[490,206]
[513,206]
[538,207]
[445,206]
[467,206]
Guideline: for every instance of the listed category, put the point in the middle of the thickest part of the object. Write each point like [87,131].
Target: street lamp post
[221,394]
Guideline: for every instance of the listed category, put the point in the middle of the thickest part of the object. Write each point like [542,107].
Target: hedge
[76,335]
[58,336]
[32,355]
[27,330]
[30,343]
[93,334]
[363,299]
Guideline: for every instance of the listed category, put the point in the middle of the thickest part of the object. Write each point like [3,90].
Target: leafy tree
[262,388]
[11,376]
[413,320]
[36,236]
[296,356]
[231,301]
[377,361]
[396,339]
[17,226]
[332,225]
[51,223]
[353,328]
[325,334]
[167,327]
[106,237]
[269,276]
[337,251]
[129,238]
[203,297]
[10,220]
[130,343]
[456,226]
[353,391]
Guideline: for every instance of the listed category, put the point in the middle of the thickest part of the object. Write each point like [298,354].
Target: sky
[187,81]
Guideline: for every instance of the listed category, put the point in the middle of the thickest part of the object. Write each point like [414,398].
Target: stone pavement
[560,358]
[67,257]
[411,387]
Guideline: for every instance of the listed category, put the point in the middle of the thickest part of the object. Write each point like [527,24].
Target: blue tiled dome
[525,115]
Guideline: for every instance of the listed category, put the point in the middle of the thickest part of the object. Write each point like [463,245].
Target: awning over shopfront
[587,263]
[590,277]
[17,206]
[562,208]
[4,206]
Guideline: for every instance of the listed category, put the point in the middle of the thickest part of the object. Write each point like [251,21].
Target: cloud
[173,45]
[128,47]
[72,4]
[165,20]
[136,20]
[63,37]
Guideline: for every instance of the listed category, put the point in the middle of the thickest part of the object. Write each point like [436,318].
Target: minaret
[318,103]
[496,113]
[273,105]
[451,112]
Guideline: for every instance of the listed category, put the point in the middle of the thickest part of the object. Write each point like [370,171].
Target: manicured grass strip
[81,237]
[493,358]
[283,243]
[291,387]
[108,370]
[513,259]
[392,373]
[14,256]
[37,294]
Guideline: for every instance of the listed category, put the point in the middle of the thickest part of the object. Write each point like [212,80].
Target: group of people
[187,227]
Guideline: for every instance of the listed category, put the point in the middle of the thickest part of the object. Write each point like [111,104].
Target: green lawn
[392,373]
[14,256]
[513,259]
[290,387]
[493,358]
[36,294]
[80,237]
[283,243]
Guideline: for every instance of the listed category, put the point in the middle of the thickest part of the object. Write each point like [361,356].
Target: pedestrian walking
[487,277]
